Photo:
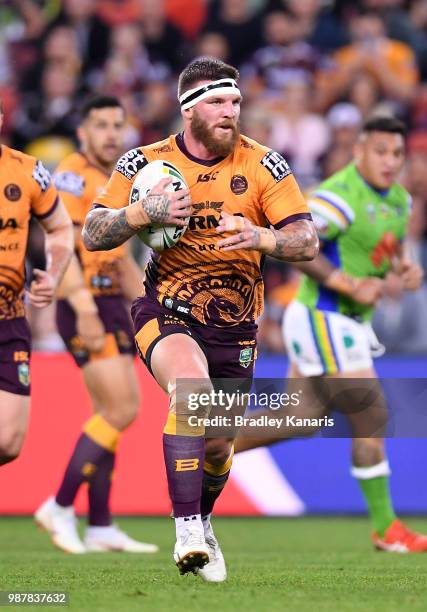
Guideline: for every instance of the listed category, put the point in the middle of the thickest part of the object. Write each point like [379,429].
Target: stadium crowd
[311,72]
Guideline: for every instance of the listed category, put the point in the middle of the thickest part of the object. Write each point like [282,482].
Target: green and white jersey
[360,229]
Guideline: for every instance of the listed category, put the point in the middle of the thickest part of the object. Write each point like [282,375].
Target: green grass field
[274,564]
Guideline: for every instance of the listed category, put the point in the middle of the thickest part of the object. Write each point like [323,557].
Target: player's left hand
[246,235]
[42,289]
[411,274]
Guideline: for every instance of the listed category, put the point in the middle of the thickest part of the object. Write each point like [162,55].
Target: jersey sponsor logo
[131,162]
[13,246]
[208,205]
[6,223]
[385,250]
[164,149]
[277,165]
[209,176]
[12,192]
[70,182]
[238,184]
[41,175]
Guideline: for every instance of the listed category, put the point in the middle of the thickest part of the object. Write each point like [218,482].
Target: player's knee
[218,451]
[10,447]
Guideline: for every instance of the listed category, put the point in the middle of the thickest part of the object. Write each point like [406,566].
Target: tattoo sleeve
[105,229]
[157,207]
[297,241]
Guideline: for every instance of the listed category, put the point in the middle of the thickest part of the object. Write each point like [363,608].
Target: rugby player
[26,190]
[202,296]
[93,321]
[361,214]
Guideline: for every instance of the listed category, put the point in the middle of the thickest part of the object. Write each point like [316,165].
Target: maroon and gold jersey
[217,288]
[26,189]
[79,183]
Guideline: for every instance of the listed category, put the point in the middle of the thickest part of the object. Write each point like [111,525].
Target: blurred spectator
[116,12]
[257,123]
[320,26]
[235,20]
[299,134]
[285,57]
[344,121]
[50,112]
[60,49]
[213,44]
[401,26]
[163,41]
[128,66]
[158,109]
[391,63]
[93,35]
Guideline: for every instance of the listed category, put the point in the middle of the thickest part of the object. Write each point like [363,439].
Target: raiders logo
[238,184]
[12,192]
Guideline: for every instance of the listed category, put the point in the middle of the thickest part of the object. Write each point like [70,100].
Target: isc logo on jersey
[155,236]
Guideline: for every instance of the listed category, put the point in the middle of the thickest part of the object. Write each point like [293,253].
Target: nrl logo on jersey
[70,182]
[277,165]
[131,162]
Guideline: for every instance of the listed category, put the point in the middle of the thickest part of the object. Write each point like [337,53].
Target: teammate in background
[93,321]
[238,187]
[26,189]
[361,214]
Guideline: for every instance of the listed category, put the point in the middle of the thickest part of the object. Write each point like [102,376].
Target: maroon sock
[84,462]
[99,493]
[184,456]
[212,487]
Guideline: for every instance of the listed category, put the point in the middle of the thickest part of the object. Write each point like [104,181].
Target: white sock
[182,523]
[206,520]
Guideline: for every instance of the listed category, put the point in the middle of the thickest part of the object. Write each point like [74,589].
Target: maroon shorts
[230,353]
[15,351]
[118,326]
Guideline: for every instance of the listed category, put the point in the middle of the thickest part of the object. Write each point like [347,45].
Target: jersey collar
[179,138]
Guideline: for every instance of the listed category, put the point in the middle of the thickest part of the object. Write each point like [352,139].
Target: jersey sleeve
[332,215]
[118,188]
[281,199]
[71,187]
[44,196]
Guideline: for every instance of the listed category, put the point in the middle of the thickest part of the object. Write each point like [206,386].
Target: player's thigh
[113,387]
[178,356]
[14,414]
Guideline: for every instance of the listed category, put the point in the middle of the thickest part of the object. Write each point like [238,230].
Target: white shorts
[320,342]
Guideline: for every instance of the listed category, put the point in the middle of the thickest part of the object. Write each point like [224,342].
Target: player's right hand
[167,207]
[367,291]
[91,331]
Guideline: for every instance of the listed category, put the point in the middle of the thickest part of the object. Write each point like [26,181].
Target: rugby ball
[156,236]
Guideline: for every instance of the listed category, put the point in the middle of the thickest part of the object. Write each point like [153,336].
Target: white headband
[220,87]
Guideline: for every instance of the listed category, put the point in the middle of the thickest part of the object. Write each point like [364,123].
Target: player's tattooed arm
[297,241]
[105,228]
